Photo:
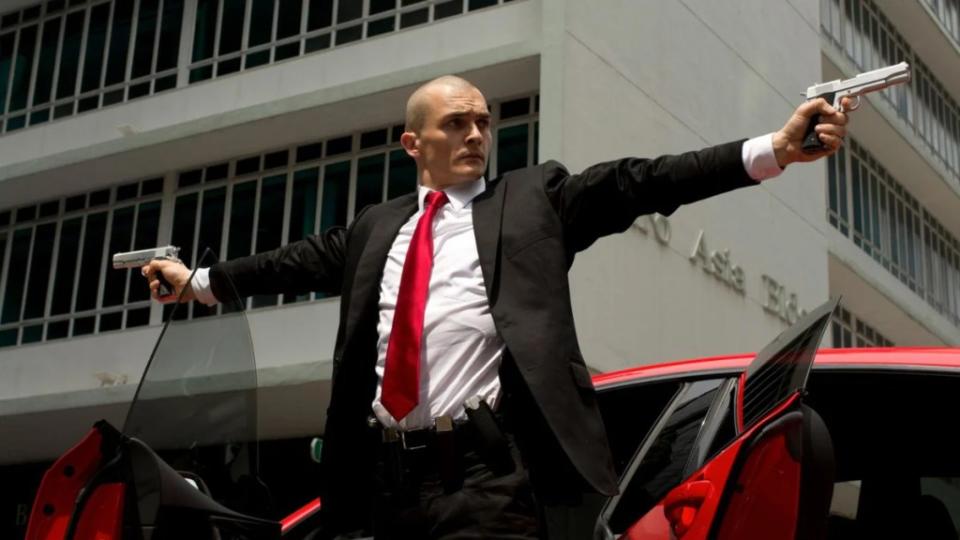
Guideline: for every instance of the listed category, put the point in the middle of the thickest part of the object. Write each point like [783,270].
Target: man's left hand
[787,143]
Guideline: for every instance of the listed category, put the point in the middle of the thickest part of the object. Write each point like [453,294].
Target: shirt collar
[460,195]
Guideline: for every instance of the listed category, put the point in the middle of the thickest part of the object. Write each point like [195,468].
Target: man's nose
[474,135]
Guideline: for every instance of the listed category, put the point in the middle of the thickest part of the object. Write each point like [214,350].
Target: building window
[947,13]
[887,223]
[234,35]
[850,331]
[869,40]
[58,60]
[55,278]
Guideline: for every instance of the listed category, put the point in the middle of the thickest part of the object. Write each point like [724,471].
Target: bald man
[458,294]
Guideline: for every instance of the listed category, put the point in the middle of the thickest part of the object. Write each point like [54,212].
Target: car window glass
[662,465]
[897,470]
[629,412]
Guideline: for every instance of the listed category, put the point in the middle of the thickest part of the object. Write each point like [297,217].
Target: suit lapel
[369,271]
[487,221]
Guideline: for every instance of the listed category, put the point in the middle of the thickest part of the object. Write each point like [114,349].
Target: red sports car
[791,443]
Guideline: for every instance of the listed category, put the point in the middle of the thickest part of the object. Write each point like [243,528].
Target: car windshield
[196,404]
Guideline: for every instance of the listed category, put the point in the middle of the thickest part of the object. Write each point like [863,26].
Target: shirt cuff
[758,158]
[200,284]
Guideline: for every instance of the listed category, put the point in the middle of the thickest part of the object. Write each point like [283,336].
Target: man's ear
[410,143]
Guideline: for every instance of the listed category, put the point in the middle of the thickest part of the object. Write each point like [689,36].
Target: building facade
[241,125]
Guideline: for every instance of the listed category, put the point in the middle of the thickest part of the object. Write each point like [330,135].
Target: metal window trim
[106,50]
[13,65]
[26,277]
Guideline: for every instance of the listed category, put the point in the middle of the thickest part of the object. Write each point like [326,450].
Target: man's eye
[456,123]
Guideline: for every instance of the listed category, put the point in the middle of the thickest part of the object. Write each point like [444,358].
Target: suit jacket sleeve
[608,197]
[313,264]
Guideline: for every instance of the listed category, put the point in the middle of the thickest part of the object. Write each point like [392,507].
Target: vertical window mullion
[13,65]
[274,29]
[82,53]
[32,83]
[352,183]
[156,37]
[105,265]
[26,279]
[76,275]
[104,66]
[287,201]
[245,36]
[132,44]
[187,34]
[5,255]
[216,36]
[54,261]
[55,81]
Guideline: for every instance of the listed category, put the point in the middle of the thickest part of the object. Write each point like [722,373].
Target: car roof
[891,358]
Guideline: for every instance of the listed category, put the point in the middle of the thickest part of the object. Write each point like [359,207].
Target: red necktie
[401,375]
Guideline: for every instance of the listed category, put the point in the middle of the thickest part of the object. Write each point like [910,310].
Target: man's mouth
[473,156]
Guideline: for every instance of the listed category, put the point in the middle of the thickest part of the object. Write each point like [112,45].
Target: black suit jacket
[529,224]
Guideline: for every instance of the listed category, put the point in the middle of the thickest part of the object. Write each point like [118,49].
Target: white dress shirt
[461,350]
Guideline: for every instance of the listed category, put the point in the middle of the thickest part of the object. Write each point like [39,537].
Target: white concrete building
[241,125]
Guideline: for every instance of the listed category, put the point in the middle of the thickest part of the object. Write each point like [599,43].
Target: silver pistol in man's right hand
[136,259]
[835,91]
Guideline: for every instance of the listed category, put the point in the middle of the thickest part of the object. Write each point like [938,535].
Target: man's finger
[832,141]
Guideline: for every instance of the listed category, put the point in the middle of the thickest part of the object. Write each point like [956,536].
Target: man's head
[447,132]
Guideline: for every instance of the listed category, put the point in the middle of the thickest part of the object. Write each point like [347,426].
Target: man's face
[455,140]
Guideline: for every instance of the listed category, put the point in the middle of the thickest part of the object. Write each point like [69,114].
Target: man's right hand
[176,275]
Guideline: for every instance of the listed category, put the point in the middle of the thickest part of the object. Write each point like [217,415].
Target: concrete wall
[652,77]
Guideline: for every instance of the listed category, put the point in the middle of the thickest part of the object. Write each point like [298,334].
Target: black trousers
[487,506]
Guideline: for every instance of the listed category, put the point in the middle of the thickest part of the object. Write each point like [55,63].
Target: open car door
[774,480]
[196,405]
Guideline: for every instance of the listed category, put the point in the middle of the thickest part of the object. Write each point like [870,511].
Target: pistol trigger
[856,103]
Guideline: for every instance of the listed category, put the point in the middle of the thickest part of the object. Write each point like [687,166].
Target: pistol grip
[165,288]
[811,141]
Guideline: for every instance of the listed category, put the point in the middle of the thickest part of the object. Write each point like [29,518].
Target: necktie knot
[436,199]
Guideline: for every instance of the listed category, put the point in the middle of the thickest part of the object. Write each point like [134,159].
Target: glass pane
[96,40]
[231,26]
[93,239]
[320,14]
[413,18]
[336,189]
[270,223]
[288,18]
[16,275]
[119,41]
[40,271]
[111,321]
[58,329]
[512,148]
[6,58]
[121,235]
[146,31]
[47,62]
[477,4]
[303,204]
[379,6]
[66,266]
[70,54]
[23,68]
[348,11]
[369,181]
[8,338]
[170,24]
[662,466]
[148,223]
[261,22]
[205,30]
[448,9]
[211,221]
[241,219]
[403,174]
[184,224]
